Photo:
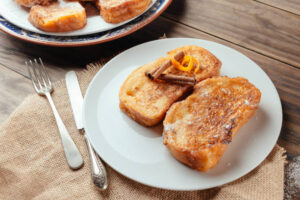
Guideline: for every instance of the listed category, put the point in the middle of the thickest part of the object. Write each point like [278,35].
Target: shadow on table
[165,25]
[61,59]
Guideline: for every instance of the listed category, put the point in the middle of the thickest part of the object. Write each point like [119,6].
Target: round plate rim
[171,188]
[75,33]
[85,43]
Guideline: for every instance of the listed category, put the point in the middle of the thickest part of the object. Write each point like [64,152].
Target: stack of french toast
[201,110]
[70,15]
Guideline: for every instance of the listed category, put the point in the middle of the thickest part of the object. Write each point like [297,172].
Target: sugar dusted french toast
[146,101]
[58,18]
[116,11]
[197,130]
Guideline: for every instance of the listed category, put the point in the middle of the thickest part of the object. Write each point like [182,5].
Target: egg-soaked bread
[58,18]
[198,129]
[147,101]
[116,11]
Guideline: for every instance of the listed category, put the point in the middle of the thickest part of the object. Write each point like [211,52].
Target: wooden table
[267,31]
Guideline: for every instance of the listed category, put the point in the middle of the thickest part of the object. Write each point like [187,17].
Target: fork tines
[38,75]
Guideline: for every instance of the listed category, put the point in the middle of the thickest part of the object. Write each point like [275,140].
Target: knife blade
[75,97]
[99,174]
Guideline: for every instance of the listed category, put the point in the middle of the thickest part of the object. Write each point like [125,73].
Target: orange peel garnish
[186,59]
[178,65]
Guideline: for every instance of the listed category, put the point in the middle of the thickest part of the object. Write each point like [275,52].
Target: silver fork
[43,86]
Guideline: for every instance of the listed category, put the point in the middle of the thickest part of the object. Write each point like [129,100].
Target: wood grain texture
[14,52]
[253,25]
[292,6]
[285,77]
[13,89]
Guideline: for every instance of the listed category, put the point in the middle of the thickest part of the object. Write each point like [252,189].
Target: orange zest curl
[179,65]
[189,60]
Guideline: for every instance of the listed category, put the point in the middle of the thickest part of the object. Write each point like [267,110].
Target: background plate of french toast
[182,114]
[72,17]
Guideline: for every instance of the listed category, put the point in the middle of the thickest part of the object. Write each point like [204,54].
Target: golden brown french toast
[58,18]
[198,129]
[147,101]
[116,11]
[30,3]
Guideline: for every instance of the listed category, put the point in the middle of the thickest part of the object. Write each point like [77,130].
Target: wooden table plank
[285,77]
[13,53]
[253,25]
[13,89]
[292,6]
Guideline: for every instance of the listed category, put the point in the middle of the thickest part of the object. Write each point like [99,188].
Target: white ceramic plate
[18,16]
[138,152]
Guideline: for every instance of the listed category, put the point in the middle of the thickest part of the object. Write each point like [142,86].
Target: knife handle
[99,174]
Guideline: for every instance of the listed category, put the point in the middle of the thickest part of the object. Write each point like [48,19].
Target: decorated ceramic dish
[82,40]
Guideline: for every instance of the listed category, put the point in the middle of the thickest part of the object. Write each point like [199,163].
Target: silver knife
[99,174]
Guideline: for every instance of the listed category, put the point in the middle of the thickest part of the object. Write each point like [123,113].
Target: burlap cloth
[33,166]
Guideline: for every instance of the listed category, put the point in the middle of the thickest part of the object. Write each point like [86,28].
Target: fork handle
[72,153]
[99,174]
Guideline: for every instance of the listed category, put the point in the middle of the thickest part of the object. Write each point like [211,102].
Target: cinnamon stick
[177,79]
[149,74]
[154,74]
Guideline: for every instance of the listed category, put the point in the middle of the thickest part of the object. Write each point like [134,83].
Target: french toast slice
[197,130]
[147,101]
[30,3]
[58,17]
[116,11]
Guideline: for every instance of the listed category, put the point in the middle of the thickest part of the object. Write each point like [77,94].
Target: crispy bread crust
[141,108]
[147,101]
[197,131]
[116,11]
